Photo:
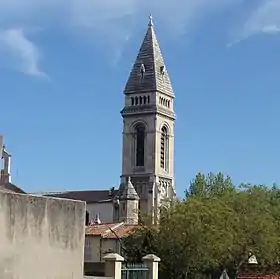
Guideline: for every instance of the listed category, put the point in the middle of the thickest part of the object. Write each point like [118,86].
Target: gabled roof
[150,61]
[10,187]
[128,191]
[89,196]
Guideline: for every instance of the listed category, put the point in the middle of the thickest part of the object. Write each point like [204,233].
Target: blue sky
[64,64]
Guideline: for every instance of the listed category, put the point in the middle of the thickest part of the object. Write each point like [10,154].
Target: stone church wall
[105,211]
[41,237]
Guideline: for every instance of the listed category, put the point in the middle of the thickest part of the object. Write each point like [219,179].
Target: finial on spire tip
[151,20]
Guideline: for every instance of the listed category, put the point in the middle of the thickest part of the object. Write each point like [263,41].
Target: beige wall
[41,237]
[92,249]
[104,209]
[96,248]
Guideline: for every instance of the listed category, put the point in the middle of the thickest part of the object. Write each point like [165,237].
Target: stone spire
[129,204]
[149,72]
[129,192]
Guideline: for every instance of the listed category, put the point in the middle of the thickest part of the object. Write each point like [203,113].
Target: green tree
[253,228]
[141,242]
[184,239]
[211,185]
[191,230]
[215,227]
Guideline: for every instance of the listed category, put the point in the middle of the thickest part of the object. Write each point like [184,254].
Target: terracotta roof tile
[122,231]
[99,229]
[111,230]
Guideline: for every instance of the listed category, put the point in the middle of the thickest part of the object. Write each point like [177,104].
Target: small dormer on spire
[162,70]
[142,70]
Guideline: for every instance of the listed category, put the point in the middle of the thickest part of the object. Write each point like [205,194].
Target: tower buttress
[148,127]
[129,204]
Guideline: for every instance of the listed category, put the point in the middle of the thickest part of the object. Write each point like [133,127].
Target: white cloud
[265,18]
[96,12]
[110,21]
[18,45]
[108,14]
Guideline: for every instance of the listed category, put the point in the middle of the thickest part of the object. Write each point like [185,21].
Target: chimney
[6,171]
[97,220]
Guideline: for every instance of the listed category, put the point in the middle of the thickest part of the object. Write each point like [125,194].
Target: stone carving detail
[166,112]
[164,188]
[136,109]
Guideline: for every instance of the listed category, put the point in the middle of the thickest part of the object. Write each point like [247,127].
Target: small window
[163,148]
[144,100]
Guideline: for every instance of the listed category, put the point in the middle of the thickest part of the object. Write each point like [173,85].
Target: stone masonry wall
[41,238]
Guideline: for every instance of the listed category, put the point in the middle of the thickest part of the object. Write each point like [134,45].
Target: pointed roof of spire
[129,192]
[149,71]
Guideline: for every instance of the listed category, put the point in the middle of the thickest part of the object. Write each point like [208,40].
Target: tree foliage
[210,185]
[216,227]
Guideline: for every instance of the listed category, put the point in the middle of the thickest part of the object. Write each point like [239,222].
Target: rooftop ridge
[109,230]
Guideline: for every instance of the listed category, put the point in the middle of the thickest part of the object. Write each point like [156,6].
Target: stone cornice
[147,109]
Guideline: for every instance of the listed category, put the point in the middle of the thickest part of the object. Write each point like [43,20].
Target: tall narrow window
[163,148]
[140,145]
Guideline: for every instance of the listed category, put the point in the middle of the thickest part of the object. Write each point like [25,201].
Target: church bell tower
[148,128]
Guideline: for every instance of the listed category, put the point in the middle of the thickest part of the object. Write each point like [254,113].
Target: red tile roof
[111,230]
[99,229]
